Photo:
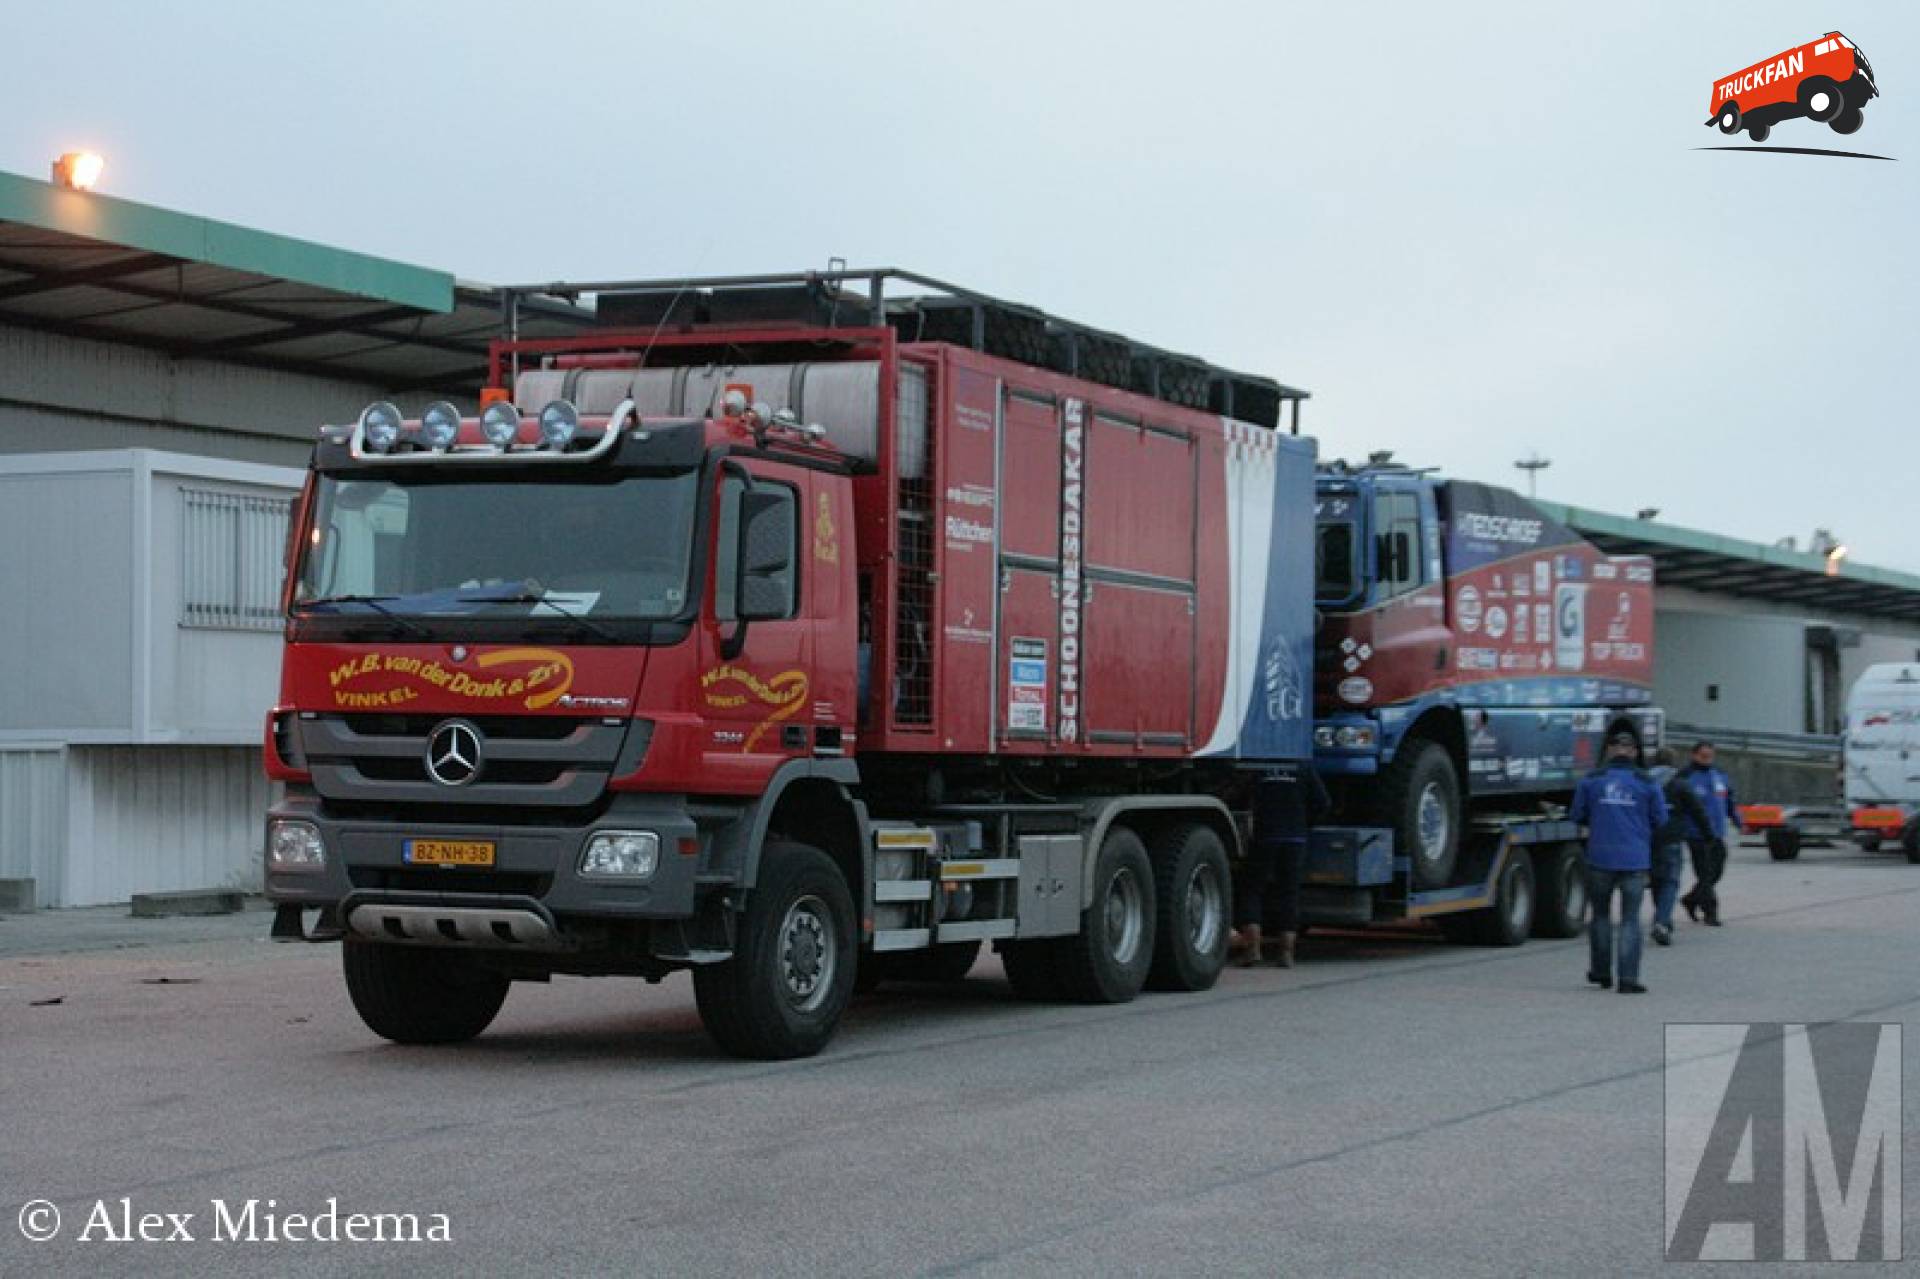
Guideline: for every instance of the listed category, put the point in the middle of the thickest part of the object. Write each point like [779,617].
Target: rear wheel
[1510,922]
[1420,800]
[1107,961]
[1783,843]
[1911,842]
[792,972]
[1848,121]
[1031,970]
[1191,888]
[1561,906]
[420,995]
[1758,131]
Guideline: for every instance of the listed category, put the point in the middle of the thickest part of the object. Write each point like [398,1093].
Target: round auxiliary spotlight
[380,425]
[440,426]
[559,423]
[500,424]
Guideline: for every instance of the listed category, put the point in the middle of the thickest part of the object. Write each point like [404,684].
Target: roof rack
[935,311]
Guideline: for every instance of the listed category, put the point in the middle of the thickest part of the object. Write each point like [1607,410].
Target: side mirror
[766,554]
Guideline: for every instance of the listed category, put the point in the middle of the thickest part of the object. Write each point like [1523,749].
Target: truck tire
[1561,903]
[1848,121]
[792,971]
[1821,99]
[1420,801]
[1510,922]
[1911,842]
[1729,118]
[1192,889]
[418,995]
[1031,970]
[1106,962]
[1758,131]
[1783,843]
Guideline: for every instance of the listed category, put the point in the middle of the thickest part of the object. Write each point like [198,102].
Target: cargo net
[913,551]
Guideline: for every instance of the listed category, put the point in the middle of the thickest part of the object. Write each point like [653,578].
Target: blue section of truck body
[1276,720]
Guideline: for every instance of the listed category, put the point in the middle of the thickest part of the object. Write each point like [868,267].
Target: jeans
[1601,886]
[1665,882]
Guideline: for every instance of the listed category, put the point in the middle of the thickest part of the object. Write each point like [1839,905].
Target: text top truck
[1472,657]
[781,632]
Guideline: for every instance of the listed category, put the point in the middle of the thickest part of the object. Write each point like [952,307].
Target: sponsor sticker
[1027,686]
[1356,689]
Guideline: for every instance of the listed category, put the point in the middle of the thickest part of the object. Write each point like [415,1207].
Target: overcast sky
[1472,231]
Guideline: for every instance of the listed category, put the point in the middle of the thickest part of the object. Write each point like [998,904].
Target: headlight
[1323,738]
[380,425]
[623,854]
[440,426]
[295,846]
[1355,737]
[500,424]
[559,423]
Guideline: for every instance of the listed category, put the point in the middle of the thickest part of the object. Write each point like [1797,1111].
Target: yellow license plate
[449,852]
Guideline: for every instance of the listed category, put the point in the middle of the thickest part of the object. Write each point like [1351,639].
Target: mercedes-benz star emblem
[453,753]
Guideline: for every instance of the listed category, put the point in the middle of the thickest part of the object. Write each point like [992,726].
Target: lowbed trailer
[1519,877]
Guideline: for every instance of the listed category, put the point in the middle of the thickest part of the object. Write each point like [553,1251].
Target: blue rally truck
[1472,654]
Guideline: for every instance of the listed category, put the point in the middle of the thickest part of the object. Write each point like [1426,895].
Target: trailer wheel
[1729,120]
[1911,842]
[1510,922]
[1783,843]
[1562,900]
[1420,800]
[1031,969]
[1821,99]
[1848,121]
[420,995]
[792,971]
[1758,131]
[1106,962]
[1193,887]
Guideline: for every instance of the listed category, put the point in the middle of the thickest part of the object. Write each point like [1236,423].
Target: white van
[1881,756]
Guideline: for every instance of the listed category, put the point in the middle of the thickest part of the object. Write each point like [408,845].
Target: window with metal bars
[230,559]
[913,645]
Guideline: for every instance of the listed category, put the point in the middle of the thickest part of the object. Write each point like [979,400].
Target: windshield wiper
[377,604]
[531,592]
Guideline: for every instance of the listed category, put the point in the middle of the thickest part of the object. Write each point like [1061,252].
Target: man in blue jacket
[1708,842]
[1621,809]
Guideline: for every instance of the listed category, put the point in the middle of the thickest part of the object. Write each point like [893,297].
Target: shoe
[1662,935]
[1604,983]
[1632,988]
[1247,943]
[1693,908]
[1713,921]
[1283,957]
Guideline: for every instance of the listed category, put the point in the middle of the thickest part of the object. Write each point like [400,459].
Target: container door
[1029,611]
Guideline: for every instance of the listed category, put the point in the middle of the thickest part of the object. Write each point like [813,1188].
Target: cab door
[755,686]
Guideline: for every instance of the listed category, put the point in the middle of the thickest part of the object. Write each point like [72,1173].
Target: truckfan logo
[1826,81]
[454,753]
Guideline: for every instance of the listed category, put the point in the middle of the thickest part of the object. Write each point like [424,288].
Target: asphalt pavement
[1394,1105]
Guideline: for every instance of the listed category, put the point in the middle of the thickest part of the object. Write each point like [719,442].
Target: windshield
[602,547]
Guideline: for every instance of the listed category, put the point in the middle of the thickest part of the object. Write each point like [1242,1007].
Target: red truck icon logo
[1827,80]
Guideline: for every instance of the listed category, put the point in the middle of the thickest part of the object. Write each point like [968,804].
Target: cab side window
[1396,522]
[776,541]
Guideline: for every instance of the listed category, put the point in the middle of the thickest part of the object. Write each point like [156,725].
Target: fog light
[380,426]
[1355,737]
[559,423]
[440,426]
[295,846]
[500,424]
[623,854]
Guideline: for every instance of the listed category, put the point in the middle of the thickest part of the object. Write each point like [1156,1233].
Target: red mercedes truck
[799,634]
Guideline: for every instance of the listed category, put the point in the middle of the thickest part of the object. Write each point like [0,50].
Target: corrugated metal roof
[94,266]
[1731,566]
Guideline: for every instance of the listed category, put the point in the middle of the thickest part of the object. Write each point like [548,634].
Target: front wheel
[1192,886]
[1420,800]
[1729,119]
[419,995]
[792,971]
[1848,121]
[1821,99]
